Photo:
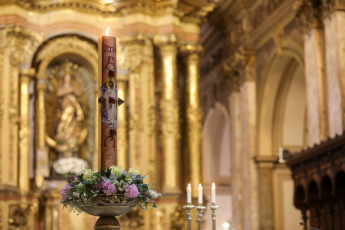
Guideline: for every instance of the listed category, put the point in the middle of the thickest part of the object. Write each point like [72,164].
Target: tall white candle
[213,193]
[189,194]
[200,194]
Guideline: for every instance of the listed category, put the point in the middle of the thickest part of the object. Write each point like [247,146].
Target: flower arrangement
[85,187]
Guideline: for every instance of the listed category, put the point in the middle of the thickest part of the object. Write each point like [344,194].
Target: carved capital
[309,13]
[163,41]
[240,67]
[21,43]
[131,53]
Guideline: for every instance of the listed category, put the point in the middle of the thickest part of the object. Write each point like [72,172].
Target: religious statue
[108,102]
[69,131]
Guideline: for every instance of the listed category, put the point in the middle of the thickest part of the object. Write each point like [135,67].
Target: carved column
[192,53]
[122,125]
[334,23]
[142,144]
[310,15]
[42,165]
[170,113]
[24,129]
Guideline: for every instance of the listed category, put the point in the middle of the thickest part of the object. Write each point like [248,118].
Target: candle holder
[189,208]
[213,208]
[200,210]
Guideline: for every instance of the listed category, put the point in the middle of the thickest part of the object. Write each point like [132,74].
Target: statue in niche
[69,131]
[70,116]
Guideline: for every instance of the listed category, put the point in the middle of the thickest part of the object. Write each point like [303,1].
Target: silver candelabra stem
[200,210]
[189,208]
[214,207]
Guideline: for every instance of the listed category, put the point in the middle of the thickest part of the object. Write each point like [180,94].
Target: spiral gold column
[24,129]
[122,124]
[170,114]
[191,54]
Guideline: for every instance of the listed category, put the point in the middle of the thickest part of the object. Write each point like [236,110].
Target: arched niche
[49,62]
[216,146]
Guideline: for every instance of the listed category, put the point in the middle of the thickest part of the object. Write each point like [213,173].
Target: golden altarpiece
[48,105]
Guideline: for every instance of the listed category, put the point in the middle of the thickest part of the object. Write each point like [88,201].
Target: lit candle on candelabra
[200,195]
[213,194]
[189,194]
[107,151]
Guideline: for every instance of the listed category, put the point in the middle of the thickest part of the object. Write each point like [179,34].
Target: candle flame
[107,32]
[213,186]
[200,187]
[189,185]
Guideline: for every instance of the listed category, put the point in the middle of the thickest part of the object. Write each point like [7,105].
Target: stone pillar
[170,113]
[24,129]
[314,45]
[265,182]
[248,112]
[122,125]
[236,153]
[192,53]
[334,24]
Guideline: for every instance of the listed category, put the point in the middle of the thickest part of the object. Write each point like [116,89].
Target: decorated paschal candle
[107,80]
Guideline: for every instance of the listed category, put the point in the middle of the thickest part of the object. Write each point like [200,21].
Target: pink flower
[64,191]
[132,191]
[108,188]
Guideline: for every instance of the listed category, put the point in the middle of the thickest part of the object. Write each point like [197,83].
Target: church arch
[216,145]
[326,187]
[340,183]
[282,79]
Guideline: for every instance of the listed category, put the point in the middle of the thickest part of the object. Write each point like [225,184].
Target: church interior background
[217,91]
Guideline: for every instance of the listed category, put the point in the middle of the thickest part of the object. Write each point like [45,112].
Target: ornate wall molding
[193,11]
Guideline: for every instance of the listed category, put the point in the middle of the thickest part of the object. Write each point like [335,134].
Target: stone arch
[281,78]
[216,145]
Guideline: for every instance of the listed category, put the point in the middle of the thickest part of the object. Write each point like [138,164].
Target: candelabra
[200,209]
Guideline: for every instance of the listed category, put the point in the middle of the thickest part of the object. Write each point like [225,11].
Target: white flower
[154,194]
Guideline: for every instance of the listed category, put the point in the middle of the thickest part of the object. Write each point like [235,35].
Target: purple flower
[132,191]
[64,191]
[108,188]
[70,178]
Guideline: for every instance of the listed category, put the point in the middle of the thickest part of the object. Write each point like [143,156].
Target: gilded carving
[189,11]
[21,43]
[66,44]
[170,126]
[20,215]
